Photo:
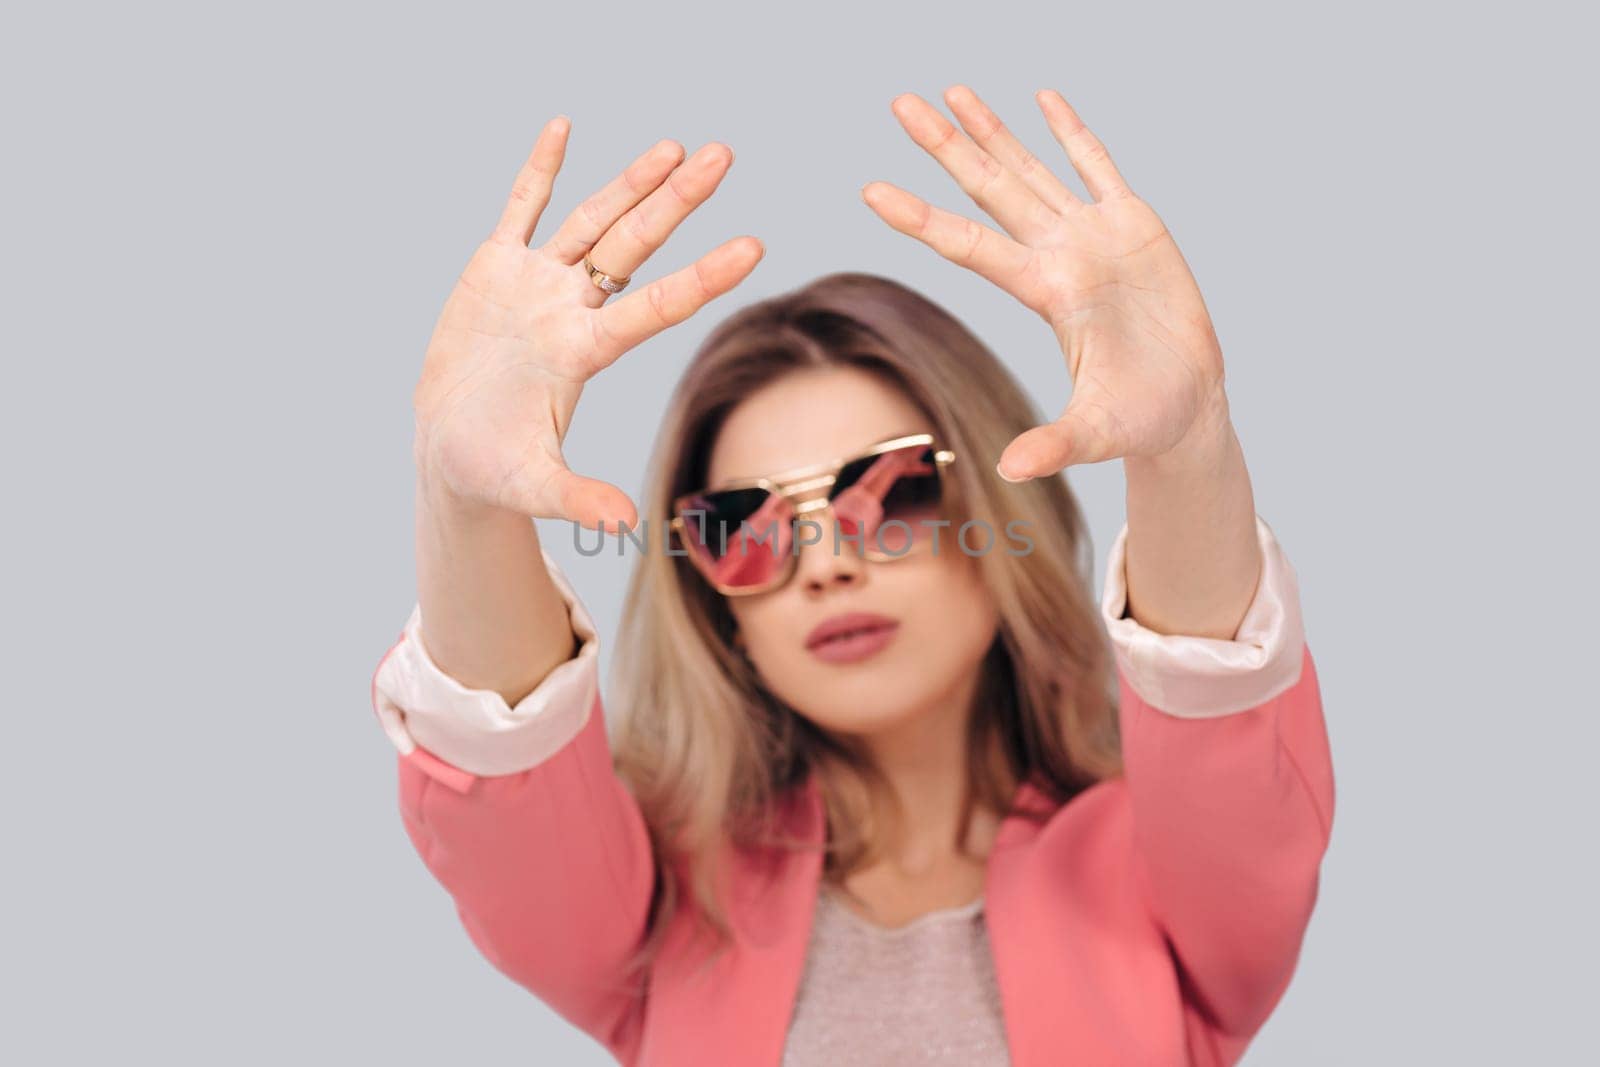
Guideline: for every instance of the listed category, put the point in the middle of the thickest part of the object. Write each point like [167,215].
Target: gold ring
[604,280]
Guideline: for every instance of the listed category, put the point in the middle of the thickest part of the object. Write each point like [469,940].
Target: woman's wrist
[1204,445]
[1193,561]
[433,488]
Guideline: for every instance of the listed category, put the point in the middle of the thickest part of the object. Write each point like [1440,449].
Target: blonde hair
[705,748]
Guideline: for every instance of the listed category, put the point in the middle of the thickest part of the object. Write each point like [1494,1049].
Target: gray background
[228,233]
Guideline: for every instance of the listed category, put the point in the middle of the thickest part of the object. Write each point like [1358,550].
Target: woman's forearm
[492,617]
[1193,560]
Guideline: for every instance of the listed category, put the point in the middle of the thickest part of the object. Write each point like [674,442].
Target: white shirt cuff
[475,730]
[1200,677]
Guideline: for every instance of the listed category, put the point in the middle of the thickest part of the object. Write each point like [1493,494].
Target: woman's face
[946,619]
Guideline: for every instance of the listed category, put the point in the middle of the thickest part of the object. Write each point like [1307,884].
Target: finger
[991,135]
[1088,156]
[1085,433]
[591,219]
[960,240]
[530,193]
[643,230]
[995,188]
[668,301]
[589,502]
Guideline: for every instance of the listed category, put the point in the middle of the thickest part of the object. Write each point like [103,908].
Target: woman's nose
[821,564]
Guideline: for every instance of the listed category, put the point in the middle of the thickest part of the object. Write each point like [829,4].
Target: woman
[872,797]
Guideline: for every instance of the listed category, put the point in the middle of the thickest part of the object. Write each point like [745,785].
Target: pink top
[1155,918]
[922,993]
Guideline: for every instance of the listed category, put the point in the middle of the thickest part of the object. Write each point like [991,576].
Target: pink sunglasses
[740,535]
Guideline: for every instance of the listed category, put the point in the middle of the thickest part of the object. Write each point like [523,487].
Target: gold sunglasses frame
[788,484]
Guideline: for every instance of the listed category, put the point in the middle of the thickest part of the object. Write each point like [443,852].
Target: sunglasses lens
[738,537]
[884,499]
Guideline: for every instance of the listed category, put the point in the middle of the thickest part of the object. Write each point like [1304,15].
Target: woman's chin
[862,709]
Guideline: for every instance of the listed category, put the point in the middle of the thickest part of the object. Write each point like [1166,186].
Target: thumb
[589,502]
[1083,434]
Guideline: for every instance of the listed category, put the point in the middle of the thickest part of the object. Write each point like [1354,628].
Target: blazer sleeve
[519,815]
[1231,787]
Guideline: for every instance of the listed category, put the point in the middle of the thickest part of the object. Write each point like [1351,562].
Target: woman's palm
[525,329]
[508,360]
[1104,272]
[1132,325]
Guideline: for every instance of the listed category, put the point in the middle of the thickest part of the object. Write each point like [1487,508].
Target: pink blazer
[1156,918]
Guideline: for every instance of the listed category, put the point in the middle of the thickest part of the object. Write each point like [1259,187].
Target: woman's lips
[850,638]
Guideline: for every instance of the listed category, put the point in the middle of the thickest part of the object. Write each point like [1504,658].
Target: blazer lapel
[740,1004]
[776,912]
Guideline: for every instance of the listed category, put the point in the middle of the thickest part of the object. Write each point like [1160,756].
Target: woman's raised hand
[525,328]
[1104,273]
